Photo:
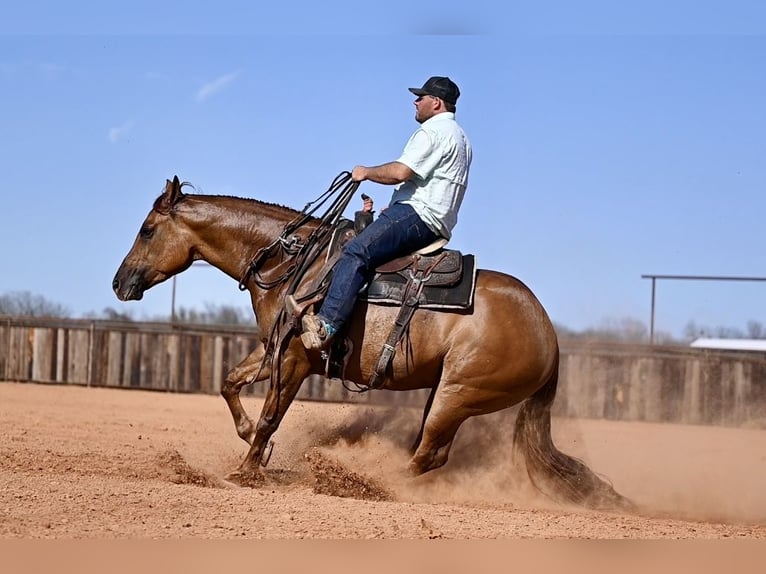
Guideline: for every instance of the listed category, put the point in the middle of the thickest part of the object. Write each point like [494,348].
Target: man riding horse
[468,373]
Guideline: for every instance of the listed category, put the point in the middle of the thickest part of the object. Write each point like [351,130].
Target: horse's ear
[170,197]
[175,193]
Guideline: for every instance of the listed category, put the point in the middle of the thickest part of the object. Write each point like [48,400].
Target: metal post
[688,278]
[651,322]
[173,302]
[173,296]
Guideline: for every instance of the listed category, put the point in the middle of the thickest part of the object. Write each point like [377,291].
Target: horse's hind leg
[446,415]
[453,403]
[426,411]
[247,372]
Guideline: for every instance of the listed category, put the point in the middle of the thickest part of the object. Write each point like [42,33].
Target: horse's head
[161,249]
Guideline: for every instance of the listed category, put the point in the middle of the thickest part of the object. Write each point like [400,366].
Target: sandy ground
[78,463]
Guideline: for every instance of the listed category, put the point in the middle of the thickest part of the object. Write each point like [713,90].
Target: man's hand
[359,173]
[367,206]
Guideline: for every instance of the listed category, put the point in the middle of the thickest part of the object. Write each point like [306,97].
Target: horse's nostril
[115,283]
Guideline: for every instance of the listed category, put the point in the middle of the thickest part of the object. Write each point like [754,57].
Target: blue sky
[609,142]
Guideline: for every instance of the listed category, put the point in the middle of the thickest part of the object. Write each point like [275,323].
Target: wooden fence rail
[620,382]
[149,356]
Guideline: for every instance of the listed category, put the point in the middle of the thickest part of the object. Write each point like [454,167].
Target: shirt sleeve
[421,154]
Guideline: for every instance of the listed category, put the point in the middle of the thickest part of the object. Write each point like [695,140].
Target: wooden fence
[662,384]
[149,356]
[619,382]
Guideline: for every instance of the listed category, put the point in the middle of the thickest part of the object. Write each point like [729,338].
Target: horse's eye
[146,232]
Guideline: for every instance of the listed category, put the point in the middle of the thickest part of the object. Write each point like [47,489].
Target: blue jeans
[397,231]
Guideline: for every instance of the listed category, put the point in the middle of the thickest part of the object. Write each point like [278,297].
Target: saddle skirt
[449,285]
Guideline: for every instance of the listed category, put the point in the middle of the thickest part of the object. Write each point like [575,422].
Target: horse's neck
[232,259]
[242,228]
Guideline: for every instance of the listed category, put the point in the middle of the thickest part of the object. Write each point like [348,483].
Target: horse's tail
[551,471]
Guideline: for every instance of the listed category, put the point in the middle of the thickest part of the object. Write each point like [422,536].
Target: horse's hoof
[226,483]
[247,478]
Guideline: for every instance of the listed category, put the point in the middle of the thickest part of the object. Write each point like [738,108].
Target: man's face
[426,107]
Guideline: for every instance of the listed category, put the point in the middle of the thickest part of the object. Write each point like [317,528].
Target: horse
[501,351]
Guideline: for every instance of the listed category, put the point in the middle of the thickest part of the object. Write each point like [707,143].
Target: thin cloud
[216,86]
[121,132]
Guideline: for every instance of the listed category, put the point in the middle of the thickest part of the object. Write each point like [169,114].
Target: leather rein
[298,255]
[292,247]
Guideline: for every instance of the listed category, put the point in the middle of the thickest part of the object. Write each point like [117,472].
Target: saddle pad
[388,289]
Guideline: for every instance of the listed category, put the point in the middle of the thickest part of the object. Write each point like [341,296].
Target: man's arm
[389,173]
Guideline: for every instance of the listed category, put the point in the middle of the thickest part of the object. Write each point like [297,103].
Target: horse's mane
[251,200]
[247,199]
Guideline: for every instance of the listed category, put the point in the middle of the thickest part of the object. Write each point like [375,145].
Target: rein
[299,255]
[292,245]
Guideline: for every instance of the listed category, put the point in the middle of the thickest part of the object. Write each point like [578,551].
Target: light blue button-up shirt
[440,155]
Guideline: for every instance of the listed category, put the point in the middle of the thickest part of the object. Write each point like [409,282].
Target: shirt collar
[440,117]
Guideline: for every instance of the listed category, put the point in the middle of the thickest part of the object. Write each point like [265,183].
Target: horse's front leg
[295,368]
[247,372]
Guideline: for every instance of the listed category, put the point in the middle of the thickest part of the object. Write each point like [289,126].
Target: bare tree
[693,331]
[111,314]
[27,304]
[728,333]
[755,330]
[214,315]
[625,329]
[564,332]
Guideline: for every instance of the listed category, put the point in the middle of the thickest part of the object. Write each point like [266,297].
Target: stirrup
[315,333]
[313,341]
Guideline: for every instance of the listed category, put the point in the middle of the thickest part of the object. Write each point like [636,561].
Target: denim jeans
[397,231]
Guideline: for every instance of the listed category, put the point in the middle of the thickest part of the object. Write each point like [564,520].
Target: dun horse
[501,351]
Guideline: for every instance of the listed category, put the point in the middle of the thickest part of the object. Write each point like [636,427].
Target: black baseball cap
[441,87]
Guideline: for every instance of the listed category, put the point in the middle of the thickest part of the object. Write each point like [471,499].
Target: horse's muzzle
[129,285]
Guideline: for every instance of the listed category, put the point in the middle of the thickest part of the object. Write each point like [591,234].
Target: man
[431,177]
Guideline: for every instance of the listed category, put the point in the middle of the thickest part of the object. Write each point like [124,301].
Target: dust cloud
[375,442]
[698,473]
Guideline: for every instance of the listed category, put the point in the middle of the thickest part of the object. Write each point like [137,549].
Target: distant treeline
[26,304]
